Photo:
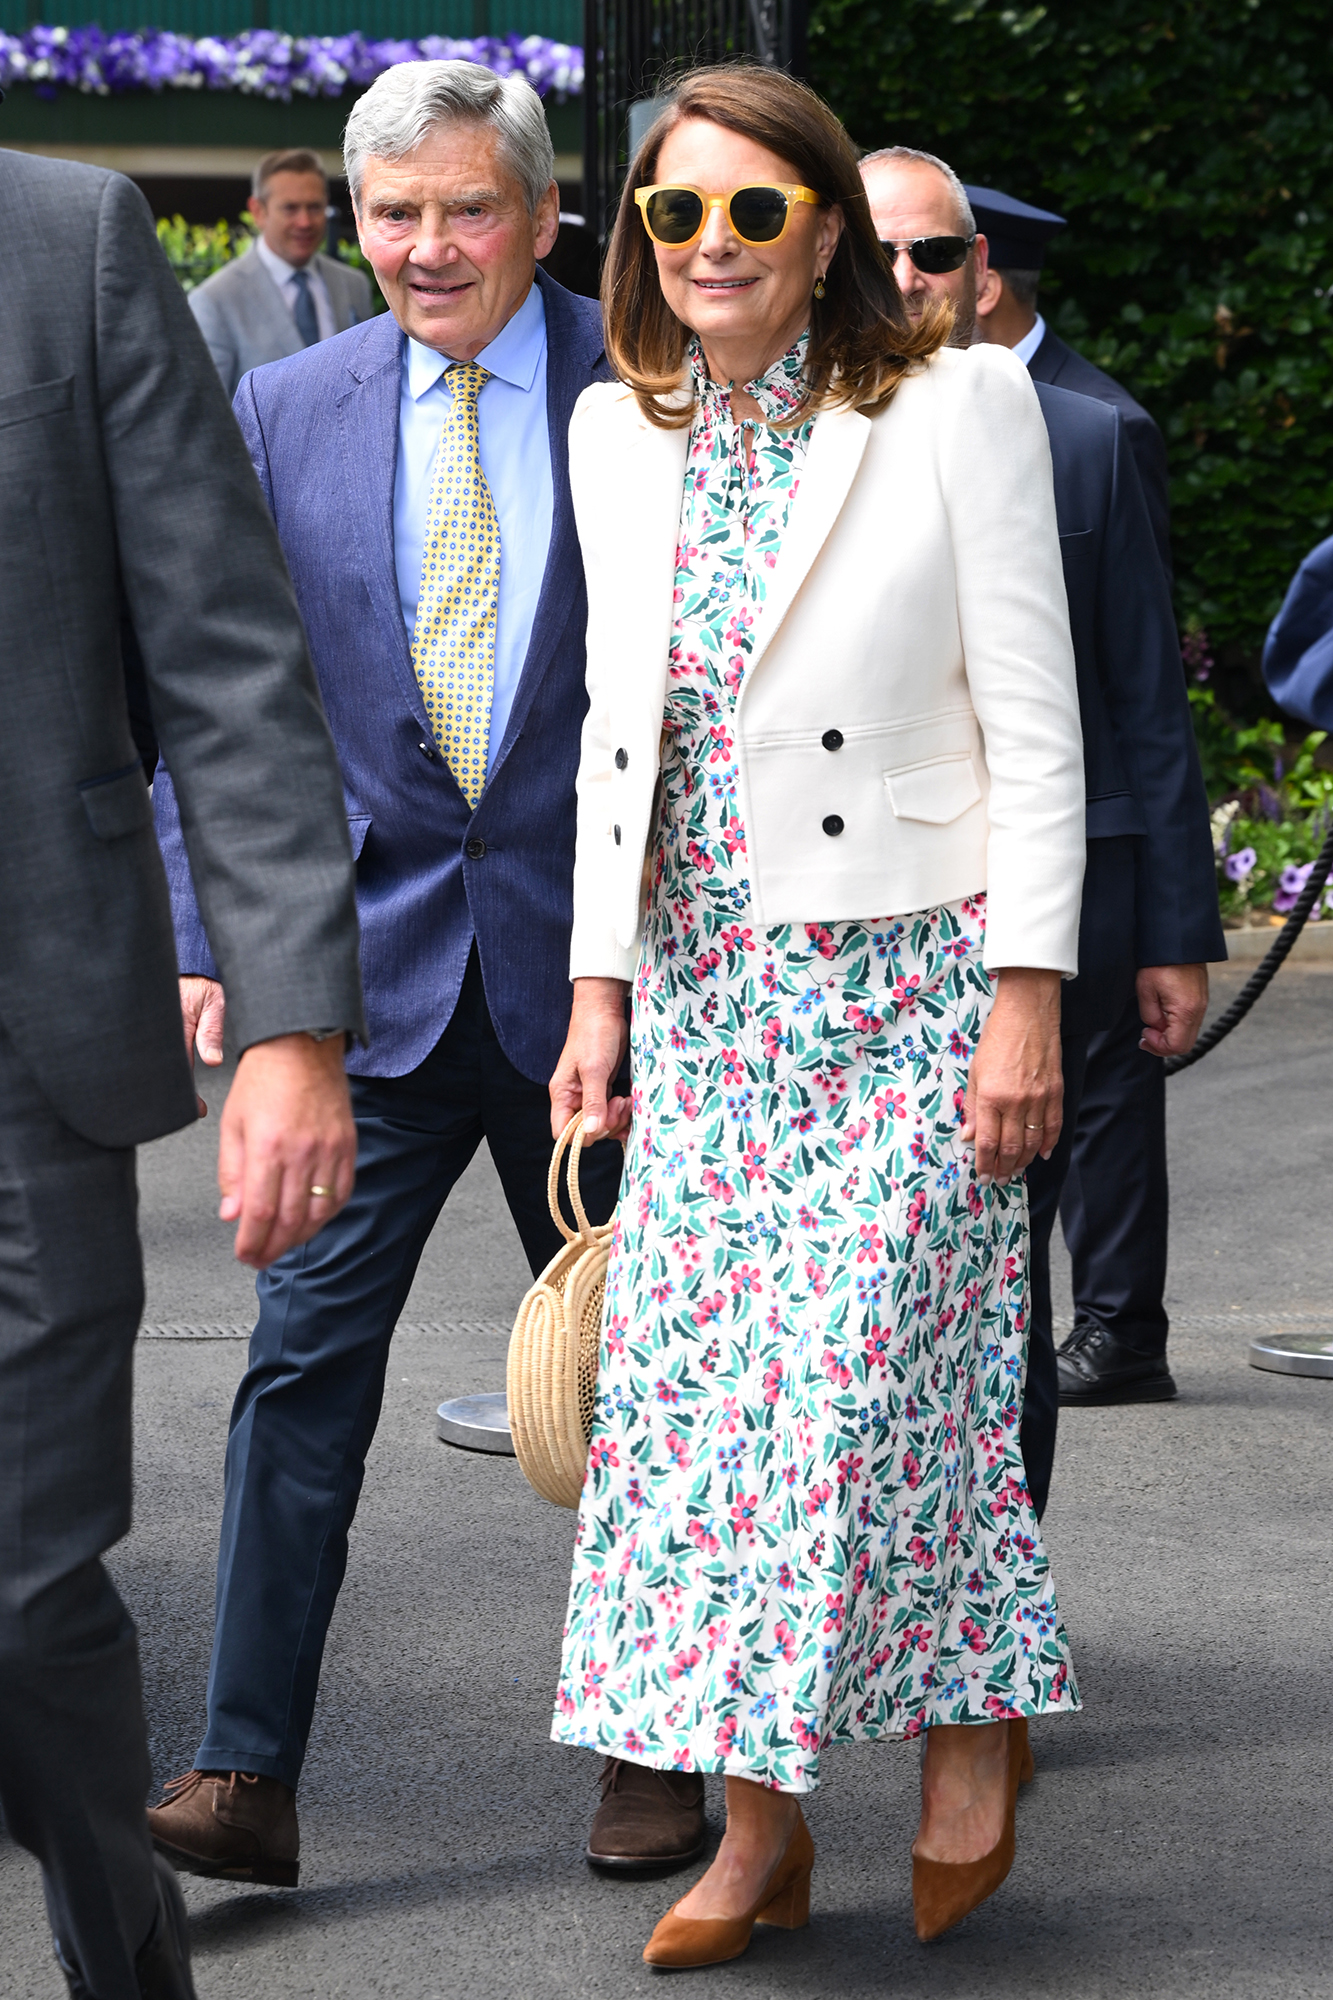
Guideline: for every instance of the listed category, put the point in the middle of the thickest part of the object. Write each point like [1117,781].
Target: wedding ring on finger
[326,1194]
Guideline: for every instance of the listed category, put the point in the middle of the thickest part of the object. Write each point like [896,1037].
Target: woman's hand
[1015,1087]
[593,1052]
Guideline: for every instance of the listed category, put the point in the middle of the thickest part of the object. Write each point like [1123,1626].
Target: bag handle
[571,1142]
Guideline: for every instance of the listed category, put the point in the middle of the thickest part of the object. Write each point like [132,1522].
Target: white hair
[967,222]
[405,102]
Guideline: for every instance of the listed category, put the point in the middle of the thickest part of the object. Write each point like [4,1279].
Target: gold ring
[1032,1128]
[326,1192]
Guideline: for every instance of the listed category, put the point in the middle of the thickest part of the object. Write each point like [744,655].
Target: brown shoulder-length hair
[862,340]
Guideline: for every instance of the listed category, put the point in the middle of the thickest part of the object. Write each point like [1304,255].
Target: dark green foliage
[1190,144]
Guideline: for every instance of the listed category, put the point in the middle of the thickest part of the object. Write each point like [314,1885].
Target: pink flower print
[708,1311]
[721,741]
[743,1514]
[836,1611]
[786,1581]
[806,1736]
[773,1382]
[594,1676]
[729,1416]
[634,1493]
[717,1635]
[971,1296]
[735,672]
[822,939]
[833,1084]
[849,1469]
[877,1348]
[852,1135]
[817,1499]
[702,860]
[678,1037]
[864,1509]
[660,1292]
[973,1634]
[738,630]
[891,1104]
[871,1245]
[635,1744]
[721,1190]
[752,1159]
[678,1449]
[864,1023]
[959,1045]
[710,1360]
[912,1469]
[734,1678]
[905,993]
[665,1391]
[860,1572]
[565,1702]
[736,939]
[786,1640]
[768,978]
[976,1207]
[686,1098]
[727,1733]
[916,1209]
[915,1639]
[733,1066]
[789,1475]
[602,1453]
[684,1664]
[703,1538]
[814,1271]
[733,839]
[921,1553]
[834,1366]
[616,1329]
[746,1278]
[775,1040]
[918,1148]
[803,1120]
[817,1550]
[806,1217]
[1013,1273]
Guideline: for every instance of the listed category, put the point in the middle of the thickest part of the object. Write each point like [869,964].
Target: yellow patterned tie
[453,649]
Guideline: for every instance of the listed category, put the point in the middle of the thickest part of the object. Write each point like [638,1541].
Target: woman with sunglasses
[831,830]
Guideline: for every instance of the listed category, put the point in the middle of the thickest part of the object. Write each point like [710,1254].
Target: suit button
[616,831]
[427,750]
[832,739]
[475,849]
[833,824]
[622,759]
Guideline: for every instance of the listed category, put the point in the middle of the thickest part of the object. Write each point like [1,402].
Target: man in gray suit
[127,501]
[282,295]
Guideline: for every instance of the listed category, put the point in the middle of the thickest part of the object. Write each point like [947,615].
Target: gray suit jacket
[246,320]
[124,482]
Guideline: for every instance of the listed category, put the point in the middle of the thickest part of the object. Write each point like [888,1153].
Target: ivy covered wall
[1190,144]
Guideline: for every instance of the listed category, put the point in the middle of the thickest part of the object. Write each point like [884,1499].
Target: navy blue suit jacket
[322,430]
[1063,367]
[1298,653]
[1140,760]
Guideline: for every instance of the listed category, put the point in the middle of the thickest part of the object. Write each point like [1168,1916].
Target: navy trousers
[1090,1005]
[1115,1205]
[307,1408]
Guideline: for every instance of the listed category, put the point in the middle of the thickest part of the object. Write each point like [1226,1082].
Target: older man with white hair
[416,470]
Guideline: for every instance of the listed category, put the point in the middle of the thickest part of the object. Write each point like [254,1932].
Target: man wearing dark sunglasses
[1149,914]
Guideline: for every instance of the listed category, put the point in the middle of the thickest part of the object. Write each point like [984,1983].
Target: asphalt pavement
[1179,1838]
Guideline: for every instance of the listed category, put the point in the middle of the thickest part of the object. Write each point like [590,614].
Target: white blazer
[912,677]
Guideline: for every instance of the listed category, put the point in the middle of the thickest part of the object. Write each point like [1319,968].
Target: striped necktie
[453,646]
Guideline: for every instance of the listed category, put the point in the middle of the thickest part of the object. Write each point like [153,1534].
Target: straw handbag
[552,1377]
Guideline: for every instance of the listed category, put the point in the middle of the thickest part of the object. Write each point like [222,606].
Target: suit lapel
[573,349]
[837,444]
[368,415]
[277,328]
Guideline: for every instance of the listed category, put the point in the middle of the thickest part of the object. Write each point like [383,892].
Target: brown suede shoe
[647,1819]
[231,1825]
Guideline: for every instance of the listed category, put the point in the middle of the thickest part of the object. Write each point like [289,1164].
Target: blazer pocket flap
[43,399]
[358,826]
[937,791]
[118,804]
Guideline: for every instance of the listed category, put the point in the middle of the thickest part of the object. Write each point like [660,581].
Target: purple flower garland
[262,62]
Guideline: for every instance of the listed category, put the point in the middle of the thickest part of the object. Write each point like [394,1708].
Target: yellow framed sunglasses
[677,216]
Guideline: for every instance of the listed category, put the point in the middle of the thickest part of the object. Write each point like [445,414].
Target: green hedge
[1190,144]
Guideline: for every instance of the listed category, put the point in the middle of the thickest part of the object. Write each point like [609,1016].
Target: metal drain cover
[478,1423]
[1294,1353]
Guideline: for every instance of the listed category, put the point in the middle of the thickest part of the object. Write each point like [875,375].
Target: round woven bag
[553,1350]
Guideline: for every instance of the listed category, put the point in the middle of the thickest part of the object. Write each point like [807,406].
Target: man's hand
[286,1130]
[1015,1087]
[1173,1000]
[204,1014]
[593,1052]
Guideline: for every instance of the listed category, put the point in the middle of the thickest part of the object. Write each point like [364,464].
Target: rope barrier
[1231,1016]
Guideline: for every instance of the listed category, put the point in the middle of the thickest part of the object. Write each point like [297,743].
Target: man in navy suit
[1149,917]
[416,468]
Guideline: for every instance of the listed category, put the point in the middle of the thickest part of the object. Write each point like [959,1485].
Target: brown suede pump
[943,1892]
[679,1942]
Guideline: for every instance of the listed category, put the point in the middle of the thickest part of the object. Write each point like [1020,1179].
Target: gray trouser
[74,1766]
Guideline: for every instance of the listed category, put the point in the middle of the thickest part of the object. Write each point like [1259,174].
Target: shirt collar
[780,391]
[277,267]
[1026,348]
[514,355]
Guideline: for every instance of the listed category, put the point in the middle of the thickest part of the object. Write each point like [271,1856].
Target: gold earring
[819,288]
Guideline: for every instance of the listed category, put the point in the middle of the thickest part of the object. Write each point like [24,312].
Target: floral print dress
[805,1520]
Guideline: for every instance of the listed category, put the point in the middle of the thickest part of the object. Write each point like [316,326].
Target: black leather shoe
[647,1819]
[163,1965]
[1095,1367]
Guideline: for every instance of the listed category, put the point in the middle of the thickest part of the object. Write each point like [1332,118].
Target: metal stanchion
[1293,1353]
[476,1423]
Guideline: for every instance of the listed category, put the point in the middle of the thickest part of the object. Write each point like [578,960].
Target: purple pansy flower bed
[262,62]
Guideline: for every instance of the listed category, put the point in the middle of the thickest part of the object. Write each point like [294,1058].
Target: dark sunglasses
[675,216]
[933,255]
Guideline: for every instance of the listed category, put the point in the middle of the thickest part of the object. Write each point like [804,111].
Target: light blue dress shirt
[516,459]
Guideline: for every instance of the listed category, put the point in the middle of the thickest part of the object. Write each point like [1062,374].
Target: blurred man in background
[128,505]
[282,295]
[1149,919]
